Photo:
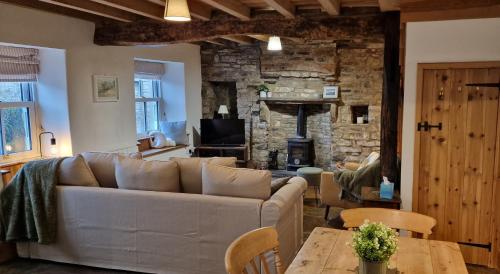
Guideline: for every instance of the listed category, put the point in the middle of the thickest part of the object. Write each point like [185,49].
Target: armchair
[329,191]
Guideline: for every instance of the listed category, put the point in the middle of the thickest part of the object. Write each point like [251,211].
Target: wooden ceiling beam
[232,7]
[429,5]
[140,7]
[388,5]
[285,7]
[331,7]
[155,33]
[260,37]
[200,10]
[240,39]
[56,9]
[94,8]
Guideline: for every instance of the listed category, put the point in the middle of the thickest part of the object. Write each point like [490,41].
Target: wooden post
[390,97]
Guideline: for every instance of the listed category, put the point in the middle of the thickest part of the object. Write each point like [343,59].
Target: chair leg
[327,210]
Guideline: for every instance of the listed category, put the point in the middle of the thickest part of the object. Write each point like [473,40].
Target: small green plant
[375,242]
[263,88]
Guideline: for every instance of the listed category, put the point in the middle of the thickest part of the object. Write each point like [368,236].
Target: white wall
[173,86]
[52,98]
[99,126]
[435,42]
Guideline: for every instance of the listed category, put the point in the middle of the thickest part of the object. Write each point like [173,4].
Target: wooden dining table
[328,250]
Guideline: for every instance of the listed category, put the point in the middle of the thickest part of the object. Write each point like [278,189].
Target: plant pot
[366,267]
[263,94]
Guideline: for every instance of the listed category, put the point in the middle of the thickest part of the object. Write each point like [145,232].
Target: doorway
[457,155]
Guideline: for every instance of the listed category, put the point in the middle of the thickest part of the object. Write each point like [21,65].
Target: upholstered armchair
[329,190]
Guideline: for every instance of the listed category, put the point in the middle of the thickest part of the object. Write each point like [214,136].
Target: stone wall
[352,61]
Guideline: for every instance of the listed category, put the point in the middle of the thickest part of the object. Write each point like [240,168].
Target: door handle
[427,127]
[423,125]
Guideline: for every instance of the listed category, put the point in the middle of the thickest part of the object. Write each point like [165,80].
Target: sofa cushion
[236,182]
[278,183]
[146,175]
[101,164]
[74,171]
[190,171]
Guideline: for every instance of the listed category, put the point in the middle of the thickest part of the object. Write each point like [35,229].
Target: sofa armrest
[284,211]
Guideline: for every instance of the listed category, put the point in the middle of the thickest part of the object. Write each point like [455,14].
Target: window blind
[149,70]
[18,64]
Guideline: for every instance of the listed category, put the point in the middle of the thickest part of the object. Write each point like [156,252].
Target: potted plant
[374,243]
[263,90]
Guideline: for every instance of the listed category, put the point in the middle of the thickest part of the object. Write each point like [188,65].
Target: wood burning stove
[300,148]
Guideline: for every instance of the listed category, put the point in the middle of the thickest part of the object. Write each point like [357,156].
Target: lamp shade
[177,10]
[274,43]
[223,109]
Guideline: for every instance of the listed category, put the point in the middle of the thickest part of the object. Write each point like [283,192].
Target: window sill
[156,151]
[12,162]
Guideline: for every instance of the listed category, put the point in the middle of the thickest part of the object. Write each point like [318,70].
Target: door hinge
[486,246]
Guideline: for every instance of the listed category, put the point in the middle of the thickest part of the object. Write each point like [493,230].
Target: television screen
[222,131]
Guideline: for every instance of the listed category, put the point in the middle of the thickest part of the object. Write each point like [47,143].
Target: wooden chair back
[254,244]
[397,219]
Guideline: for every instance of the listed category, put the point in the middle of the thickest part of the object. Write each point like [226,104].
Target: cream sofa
[162,232]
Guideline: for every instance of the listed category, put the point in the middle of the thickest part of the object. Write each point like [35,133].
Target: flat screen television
[223,132]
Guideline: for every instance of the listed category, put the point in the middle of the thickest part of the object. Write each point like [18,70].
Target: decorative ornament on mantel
[177,10]
[263,91]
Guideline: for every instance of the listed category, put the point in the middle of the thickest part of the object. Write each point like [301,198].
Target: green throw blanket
[28,204]
[351,182]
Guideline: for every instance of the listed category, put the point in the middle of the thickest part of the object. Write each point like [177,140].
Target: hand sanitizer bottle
[386,189]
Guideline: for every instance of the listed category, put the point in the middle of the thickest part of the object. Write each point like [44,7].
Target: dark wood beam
[139,7]
[94,8]
[433,5]
[232,7]
[285,7]
[56,9]
[390,98]
[242,40]
[332,7]
[298,29]
[388,5]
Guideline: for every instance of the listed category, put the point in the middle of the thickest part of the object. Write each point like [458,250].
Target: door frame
[495,255]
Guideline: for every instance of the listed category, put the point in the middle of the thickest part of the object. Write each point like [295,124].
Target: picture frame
[331,92]
[105,88]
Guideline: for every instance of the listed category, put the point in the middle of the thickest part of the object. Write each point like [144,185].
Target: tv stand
[240,152]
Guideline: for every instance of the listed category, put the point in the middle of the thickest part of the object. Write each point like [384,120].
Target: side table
[370,197]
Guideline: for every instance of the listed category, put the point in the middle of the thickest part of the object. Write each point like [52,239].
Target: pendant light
[177,10]
[274,43]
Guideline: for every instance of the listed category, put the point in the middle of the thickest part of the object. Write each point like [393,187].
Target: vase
[366,267]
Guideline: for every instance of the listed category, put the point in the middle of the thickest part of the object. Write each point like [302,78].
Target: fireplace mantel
[300,101]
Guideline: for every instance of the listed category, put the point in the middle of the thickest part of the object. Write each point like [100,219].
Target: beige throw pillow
[73,171]
[146,175]
[190,171]
[236,182]
[101,164]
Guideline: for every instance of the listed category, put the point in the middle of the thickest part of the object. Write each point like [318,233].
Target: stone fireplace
[347,56]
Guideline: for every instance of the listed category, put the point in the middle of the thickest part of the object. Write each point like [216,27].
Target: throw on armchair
[330,190]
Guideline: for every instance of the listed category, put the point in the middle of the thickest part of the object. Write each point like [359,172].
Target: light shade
[177,10]
[274,43]
[223,109]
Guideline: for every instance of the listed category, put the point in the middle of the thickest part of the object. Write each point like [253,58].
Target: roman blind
[18,64]
[149,70]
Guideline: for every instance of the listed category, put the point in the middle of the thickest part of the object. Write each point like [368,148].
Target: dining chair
[396,219]
[254,244]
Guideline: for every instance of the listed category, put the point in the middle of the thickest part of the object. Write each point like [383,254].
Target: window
[147,104]
[16,116]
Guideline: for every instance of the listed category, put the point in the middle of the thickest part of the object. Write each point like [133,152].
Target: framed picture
[105,88]
[331,92]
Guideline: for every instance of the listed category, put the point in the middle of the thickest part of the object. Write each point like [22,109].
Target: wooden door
[455,150]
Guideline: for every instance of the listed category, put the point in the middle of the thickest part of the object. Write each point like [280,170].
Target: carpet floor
[313,217]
